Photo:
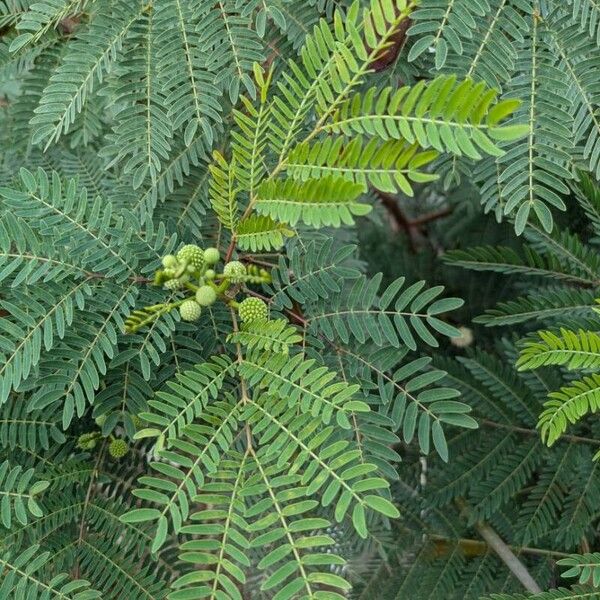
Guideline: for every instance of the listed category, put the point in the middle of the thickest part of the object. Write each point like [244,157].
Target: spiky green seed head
[234,271]
[209,275]
[192,255]
[87,441]
[252,309]
[190,310]
[205,295]
[212,256]
[118,448]
[169,261]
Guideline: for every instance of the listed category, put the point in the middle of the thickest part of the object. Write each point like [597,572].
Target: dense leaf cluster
[296,415]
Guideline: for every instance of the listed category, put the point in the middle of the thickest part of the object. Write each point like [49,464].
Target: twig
[88,498]
[412,227]
[506,555]
[393,207]
[258,261]
[479,544]
[432,216]
[524,430]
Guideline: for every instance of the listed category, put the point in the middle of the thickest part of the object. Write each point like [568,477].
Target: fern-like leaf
[389,167]
[316,202]
[449,116]
[568,405]
[576,350]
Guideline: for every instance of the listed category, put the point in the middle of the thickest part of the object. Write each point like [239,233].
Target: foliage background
[130,100]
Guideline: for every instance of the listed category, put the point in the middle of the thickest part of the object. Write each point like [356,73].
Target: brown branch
[433,216]
[412,227]
[258,261]
[393,207]
[387,57]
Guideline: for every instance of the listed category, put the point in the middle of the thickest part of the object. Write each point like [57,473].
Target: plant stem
[524,430]
[483,545]
[504,552]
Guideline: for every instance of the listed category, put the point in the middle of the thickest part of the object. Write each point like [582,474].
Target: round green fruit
[252,309]
[211,256]
[205,295]
[190,310]
[118,448]
[192,255]
[209,275]
[234,271]
[169,261]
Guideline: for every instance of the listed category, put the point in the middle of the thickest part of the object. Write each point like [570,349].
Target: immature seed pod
[211,256]
[190,310]
[192,255]
[172,284]
[209,275]
[234,271]
[252,309]
[87,441]
[169,261]
[205,295]
[118,448]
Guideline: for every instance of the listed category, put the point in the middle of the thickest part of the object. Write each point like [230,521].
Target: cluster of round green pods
[190,266]
[193,269]
[117,448]
[190,262]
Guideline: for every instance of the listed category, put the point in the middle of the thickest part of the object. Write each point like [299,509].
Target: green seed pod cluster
[234,271]
[206,295]
[118,448]
[190,310]
[191,262]
[252,309]
[193,275]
